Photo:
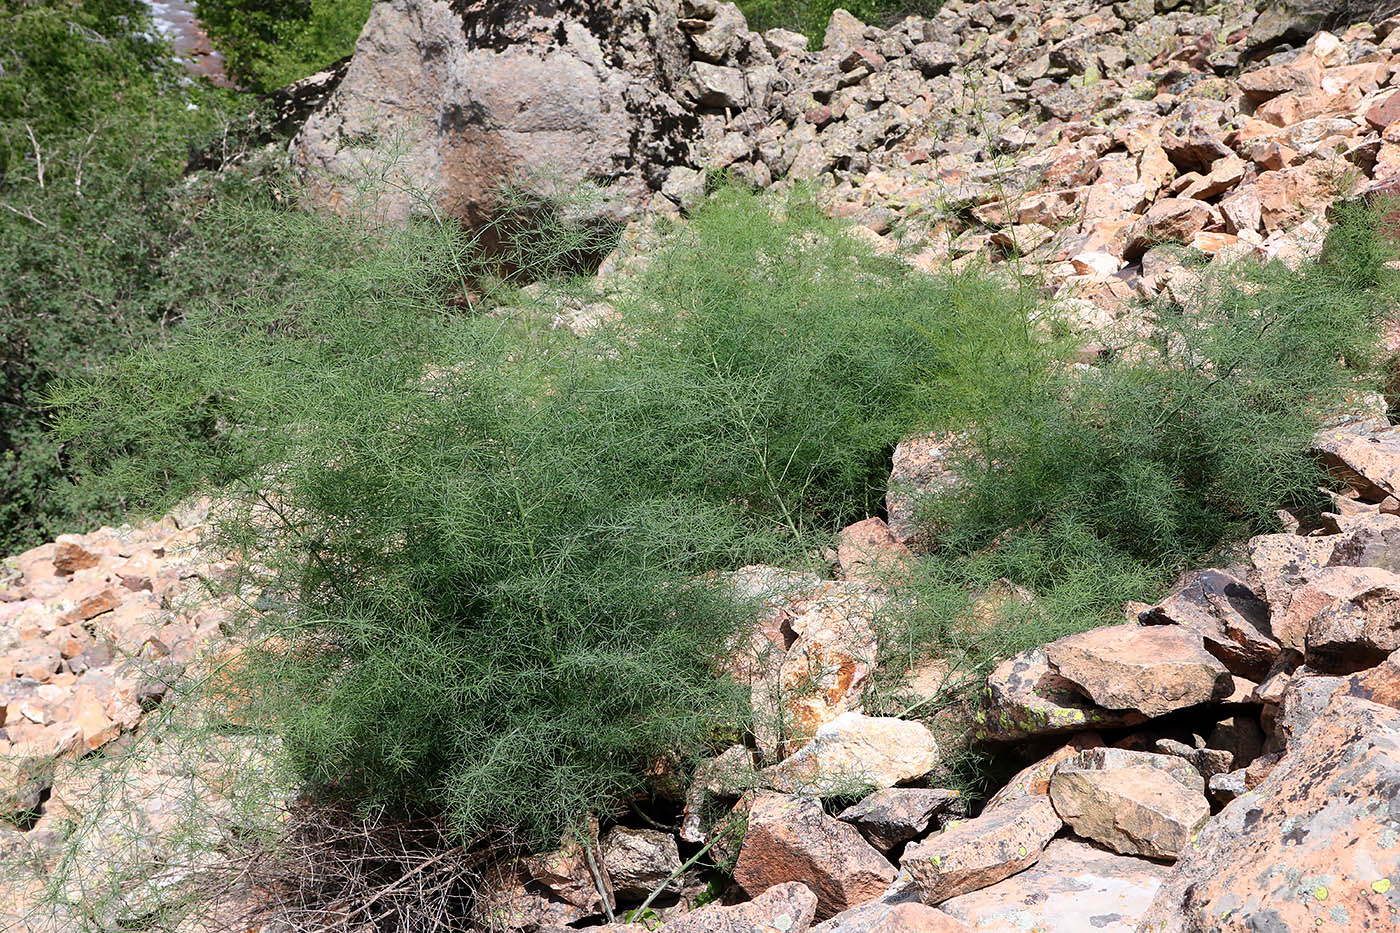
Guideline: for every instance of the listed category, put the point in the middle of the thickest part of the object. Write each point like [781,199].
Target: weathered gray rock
[639,860]
[474,94]
[898,814]
[1073,888]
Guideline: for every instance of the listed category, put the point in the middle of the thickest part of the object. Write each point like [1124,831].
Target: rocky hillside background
[1223,758]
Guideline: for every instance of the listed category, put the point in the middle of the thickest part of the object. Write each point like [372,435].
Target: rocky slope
[1228,759]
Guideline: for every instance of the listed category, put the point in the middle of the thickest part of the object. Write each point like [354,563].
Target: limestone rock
[968,855]
[1314,841]
[1370,462]
[1073,888]
[923,466]
[1136,803]
[898,814]
[1152,669]
[854,751]
[792,838]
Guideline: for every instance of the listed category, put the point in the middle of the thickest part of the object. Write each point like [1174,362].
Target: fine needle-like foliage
[1092,486]
[491,553]
[485,546]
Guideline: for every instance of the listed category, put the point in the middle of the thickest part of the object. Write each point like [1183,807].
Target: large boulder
[472,93]
[1313,846]
[853,752]
[787,907]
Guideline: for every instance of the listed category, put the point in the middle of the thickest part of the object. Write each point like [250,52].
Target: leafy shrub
[811,16]
[271,43]
[103,243]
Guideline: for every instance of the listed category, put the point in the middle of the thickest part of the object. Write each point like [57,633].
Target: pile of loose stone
[1075,134]
[1228,758]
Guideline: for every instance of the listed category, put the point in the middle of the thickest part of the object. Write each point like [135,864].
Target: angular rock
[639,860]
[1025,696]
[480,93]
[880,917]
[1135,803]
[792,838]
[1381,684]
[1231,619]
[854,751]
[1034,779]
[785,908]
[868,552]
[923,465]
[1334,600]
[1369,539]
[898,814]
[968,855]
[1152,669]
[1304,700]
[720,85]
[1169,220]
[1073,888]
[1370,462]
[824,671]
[1314,842]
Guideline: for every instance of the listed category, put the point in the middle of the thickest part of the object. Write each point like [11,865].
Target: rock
[479,95]
[897,814]
[23,781]
[933,58]
[1381,684]
[70,556]
[726,777]
[968,855]
[1289,196]
[855,751]
[720,85]
[722,34]
[791,838]
[1026,697]
[1169,220]
[785,908]
[824,671]
[785,42]
[1229,616]
[685,186]
[1261,84]
[881,917]
[1368,540]
[1305,698]
[1314,841]
[1034,779]
[1356,633]
[1369,462]
[868,552]
[1151,669]
[923,466]
[1073,888]
[843,31]
[639,860]
[1136,803]
[565,874]
[1333,604]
